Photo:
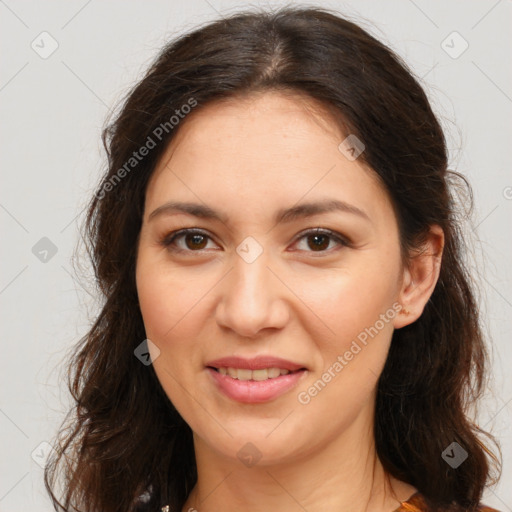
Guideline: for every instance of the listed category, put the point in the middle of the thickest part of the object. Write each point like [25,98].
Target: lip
[255,363]
[252,391]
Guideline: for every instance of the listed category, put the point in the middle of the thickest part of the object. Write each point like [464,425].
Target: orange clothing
[416,503]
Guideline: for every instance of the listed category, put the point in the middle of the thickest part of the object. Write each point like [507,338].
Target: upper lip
[255,363]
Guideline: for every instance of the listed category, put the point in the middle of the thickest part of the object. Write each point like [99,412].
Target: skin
[247,158]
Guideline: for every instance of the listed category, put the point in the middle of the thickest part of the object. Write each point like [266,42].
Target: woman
[288,322]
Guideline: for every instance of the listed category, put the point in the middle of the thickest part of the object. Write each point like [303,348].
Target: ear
[420,278]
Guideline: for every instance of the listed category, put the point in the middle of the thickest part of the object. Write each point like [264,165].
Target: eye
[194,240]
[318,240]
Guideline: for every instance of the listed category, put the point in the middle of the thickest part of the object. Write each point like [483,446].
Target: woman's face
[253,282]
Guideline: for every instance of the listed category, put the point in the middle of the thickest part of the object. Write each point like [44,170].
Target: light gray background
[52,112]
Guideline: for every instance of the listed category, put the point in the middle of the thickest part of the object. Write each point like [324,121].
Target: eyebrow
[282,216]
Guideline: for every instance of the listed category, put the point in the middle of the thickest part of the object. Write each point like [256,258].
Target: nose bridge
[251,280]
[251,296]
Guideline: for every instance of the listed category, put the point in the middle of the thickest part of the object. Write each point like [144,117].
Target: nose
[252,299]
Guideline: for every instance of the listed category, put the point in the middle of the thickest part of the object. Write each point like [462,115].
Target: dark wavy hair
[123,437]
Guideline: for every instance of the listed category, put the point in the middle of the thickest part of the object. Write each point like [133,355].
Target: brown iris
[198,241]
[318,245]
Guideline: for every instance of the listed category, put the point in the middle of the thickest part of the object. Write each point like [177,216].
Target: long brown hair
[123,438]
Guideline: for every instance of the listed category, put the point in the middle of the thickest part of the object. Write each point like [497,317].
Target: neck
[344,475]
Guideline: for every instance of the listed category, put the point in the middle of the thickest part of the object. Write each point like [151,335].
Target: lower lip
[252,391]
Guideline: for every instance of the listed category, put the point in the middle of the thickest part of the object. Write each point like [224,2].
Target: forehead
[259,116]
[262,149]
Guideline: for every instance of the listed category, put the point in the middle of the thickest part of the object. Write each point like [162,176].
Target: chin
[254,442]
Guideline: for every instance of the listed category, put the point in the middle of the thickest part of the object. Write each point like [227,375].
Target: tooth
[257,375]
[260,374]
[273,373]
[244,374]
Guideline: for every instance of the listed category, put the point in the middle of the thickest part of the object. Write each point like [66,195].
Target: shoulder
[417,503]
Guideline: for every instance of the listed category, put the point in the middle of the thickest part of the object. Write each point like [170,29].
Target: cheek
[349,300]
[167,297]
[360,321]
[167,303]
[355,306]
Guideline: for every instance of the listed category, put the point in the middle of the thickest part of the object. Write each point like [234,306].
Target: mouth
[259,375]
[254,381]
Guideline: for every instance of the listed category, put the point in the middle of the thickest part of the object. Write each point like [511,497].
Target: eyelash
[169,239]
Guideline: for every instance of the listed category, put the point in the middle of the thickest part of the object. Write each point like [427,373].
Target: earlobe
[420,278]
